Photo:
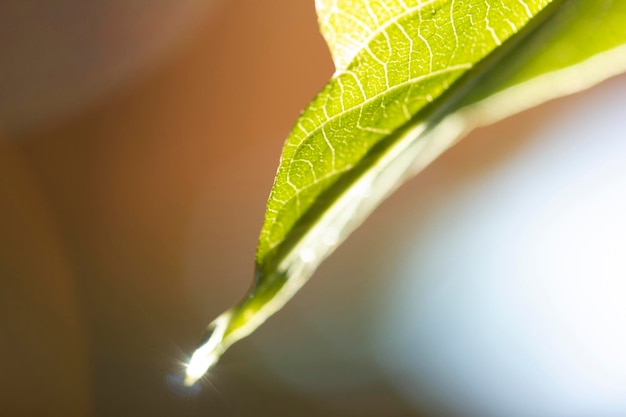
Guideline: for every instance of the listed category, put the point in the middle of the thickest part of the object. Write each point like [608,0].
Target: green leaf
[583,43]
[412,77]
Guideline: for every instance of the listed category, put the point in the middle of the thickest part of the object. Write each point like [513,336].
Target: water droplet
[209,351]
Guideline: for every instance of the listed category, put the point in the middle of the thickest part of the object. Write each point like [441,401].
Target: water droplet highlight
[209,351]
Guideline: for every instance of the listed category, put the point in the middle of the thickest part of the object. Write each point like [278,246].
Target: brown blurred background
[138,143]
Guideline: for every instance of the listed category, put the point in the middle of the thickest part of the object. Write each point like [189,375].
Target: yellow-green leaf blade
[405,62]
[411,78]
[582,44]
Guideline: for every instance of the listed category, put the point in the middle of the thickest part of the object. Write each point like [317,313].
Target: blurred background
[138,144]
